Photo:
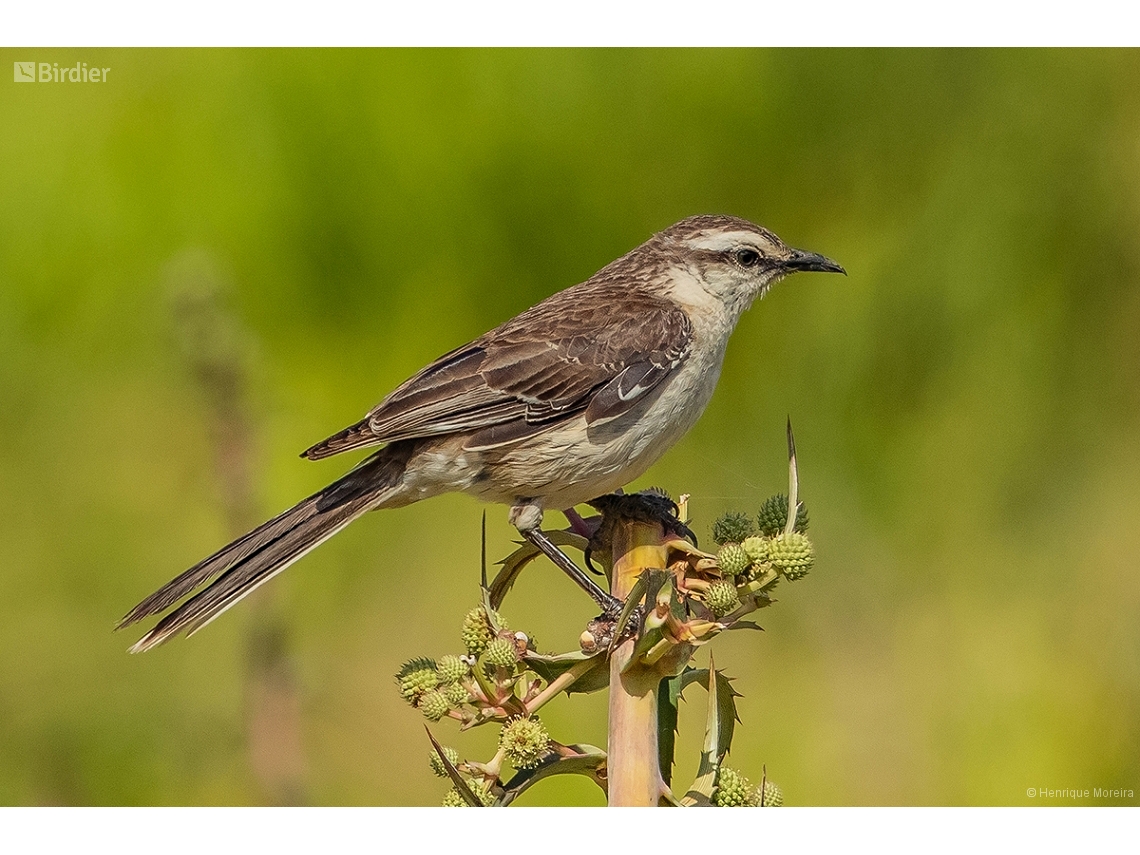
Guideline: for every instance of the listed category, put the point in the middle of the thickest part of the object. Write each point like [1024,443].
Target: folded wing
[575,352]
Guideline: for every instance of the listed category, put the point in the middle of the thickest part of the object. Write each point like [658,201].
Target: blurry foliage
[967,401]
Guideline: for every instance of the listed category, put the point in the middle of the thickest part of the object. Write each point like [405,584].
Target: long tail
[261,554]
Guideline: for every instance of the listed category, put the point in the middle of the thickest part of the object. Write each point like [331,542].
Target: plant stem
[633,765]
[560,683]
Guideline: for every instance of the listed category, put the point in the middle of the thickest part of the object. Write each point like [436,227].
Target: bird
[571,400]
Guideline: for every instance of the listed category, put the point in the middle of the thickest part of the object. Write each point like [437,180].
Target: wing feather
[580,350]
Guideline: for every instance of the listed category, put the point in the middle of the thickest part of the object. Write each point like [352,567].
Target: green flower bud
[721,597]
[456,694]
[732,789]
[792,555]
[772,795]
[476,631]
[453,799]
[756,548]
[451,669]
[731,528]
[417,677]
[733,559]
[525,742]
[773,516]
[437,766]
[434,705]
[481,791]
[502,653]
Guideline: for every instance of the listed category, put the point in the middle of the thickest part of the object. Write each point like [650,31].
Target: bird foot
[650,506]
[603,631]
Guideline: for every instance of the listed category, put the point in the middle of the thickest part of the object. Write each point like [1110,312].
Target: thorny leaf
[744,624]
[551,667]
[701,792]
[668,696]
[453,773]
[588,760]
[719,726]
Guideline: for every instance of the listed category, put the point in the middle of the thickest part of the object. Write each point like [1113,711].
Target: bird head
[734,260]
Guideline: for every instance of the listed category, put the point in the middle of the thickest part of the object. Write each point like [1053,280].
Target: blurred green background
[218,257]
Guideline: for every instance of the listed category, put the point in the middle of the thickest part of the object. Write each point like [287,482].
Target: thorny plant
[501,678]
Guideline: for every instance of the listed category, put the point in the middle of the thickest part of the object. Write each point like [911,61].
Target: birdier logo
[51,72]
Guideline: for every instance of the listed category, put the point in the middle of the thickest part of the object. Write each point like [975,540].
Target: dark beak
[813,261]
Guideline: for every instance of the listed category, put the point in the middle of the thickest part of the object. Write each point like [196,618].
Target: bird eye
[747,257]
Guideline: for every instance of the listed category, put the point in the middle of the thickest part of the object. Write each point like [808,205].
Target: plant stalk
[633,766]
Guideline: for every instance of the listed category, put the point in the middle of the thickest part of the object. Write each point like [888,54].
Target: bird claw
[649,506]
[604,629]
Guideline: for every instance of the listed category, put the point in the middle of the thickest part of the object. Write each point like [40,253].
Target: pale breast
[576,462]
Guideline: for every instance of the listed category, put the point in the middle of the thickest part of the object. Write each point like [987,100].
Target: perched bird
[572,399]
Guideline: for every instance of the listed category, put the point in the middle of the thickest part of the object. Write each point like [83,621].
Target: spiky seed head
[502,653]
[756,549]
[772,796]
[721,597]
[413,665]
[476,631]
[732,558]
[773,516]
[732,789]
[417,677]
[480,789]
[792,555]
[456,694]
[436,765]
[453,799]
[434,705]
[451,669]
[524,741]
[497,622]
[731,527]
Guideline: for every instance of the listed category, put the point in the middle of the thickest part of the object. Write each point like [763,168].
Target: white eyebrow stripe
[723,240]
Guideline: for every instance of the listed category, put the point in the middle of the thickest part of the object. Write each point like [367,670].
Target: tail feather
[261,554]
[222,560]
[240,581]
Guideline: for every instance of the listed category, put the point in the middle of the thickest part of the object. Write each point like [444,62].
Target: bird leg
[579,525]
[587,529]
[611,605]
[526,516]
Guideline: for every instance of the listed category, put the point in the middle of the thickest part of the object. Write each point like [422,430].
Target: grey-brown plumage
[569,400]
[552,362]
